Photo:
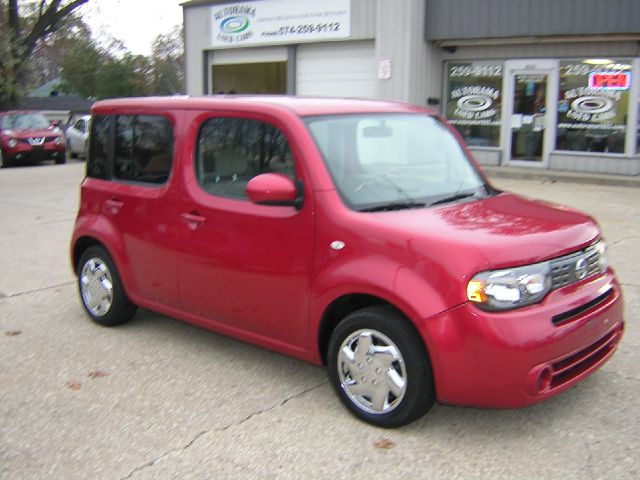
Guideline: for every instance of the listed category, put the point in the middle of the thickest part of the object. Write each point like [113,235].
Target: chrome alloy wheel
[372,371]
[96,287]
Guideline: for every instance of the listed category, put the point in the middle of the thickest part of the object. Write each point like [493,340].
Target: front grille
[567,369]
[36,141]
[571,314]
[565,270]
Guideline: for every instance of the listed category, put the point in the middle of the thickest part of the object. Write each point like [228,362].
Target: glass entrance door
[529,117]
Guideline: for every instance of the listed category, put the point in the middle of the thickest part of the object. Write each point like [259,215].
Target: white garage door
[340,69]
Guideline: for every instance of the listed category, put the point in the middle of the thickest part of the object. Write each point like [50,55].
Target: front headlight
[510,288]
[12,142]
[603,261]
[58,141]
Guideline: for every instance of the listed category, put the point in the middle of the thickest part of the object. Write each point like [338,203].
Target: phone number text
[309,28]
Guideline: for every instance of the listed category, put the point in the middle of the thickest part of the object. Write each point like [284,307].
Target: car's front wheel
[101,290]
[380,368]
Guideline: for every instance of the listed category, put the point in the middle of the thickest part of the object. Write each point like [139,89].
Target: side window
[143,148]
[231,151]
[98,161]
[80,126]
[124,148]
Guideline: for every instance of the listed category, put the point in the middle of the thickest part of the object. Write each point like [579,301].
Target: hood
[35,132]
[507,230]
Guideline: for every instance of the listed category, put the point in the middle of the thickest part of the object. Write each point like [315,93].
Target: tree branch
[14,19]
[47,22]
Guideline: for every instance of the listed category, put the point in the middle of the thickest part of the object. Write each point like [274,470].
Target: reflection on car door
[142,204]
[245,265]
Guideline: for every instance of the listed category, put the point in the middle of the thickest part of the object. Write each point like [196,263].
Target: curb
[561,176]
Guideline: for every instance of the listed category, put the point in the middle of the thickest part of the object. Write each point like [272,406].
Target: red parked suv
[27,136]
[359,235]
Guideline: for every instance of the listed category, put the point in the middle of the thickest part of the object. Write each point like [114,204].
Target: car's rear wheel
[69,152]
[101,290]
[2,162]
[380,368]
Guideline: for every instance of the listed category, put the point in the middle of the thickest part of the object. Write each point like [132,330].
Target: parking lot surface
[159,399]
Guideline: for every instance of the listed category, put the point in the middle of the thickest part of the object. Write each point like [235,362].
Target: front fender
[401,286]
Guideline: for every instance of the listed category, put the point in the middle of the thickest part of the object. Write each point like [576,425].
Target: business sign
[266,22]
[594,96]
[475,100]
[384,68]
[474,94]
[610,80]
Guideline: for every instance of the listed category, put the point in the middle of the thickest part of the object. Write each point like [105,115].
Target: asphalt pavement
[159,399]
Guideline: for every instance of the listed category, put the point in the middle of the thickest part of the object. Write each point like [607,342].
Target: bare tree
[167,58]
[44,18]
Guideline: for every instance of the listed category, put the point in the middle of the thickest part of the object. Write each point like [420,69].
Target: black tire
[107,306]
[386,326]
[60,161]
[69,152]
[3,162]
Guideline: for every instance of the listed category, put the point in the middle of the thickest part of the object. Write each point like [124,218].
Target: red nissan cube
[358,235]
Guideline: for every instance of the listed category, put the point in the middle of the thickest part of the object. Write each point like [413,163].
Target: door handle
[113,205]
[192,220]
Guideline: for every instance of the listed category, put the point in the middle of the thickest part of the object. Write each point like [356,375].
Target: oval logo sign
[235,24]
[581,269]
[474,103]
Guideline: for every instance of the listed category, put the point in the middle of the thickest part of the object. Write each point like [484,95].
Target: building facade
[537,83]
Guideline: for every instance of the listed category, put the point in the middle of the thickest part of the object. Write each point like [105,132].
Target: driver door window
[231,151]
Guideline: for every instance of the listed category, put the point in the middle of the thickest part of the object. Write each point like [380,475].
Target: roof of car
[302,106]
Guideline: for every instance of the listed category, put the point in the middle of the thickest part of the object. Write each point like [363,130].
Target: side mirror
[275,189]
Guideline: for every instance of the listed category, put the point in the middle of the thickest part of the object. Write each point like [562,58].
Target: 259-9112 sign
[610,80]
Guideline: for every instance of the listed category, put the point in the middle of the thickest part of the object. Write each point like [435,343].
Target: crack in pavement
[53,222]
[13,203]
[623,376]
[199,435]
[35,290]
[624,239]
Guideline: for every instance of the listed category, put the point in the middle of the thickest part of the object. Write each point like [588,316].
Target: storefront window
[638,128]
[593,104]
[473,101]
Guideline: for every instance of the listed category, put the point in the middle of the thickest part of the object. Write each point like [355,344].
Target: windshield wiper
[386,207]
[453,198]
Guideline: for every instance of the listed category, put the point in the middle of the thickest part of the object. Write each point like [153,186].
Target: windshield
[25,121]
[392,161]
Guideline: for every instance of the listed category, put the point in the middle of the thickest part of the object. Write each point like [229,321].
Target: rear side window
[142,148]
[98,161]
[231,151]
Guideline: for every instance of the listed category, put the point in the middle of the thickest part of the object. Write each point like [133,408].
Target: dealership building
[549,84]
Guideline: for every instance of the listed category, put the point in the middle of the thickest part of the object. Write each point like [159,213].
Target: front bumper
[28,153]
[521,357]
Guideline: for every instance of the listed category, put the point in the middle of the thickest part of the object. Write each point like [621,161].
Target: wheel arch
[342,306]
[80,246]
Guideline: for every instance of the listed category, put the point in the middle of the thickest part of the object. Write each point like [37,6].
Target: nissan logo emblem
[581,269]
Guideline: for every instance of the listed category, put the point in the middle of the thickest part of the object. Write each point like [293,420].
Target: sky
[136,22]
